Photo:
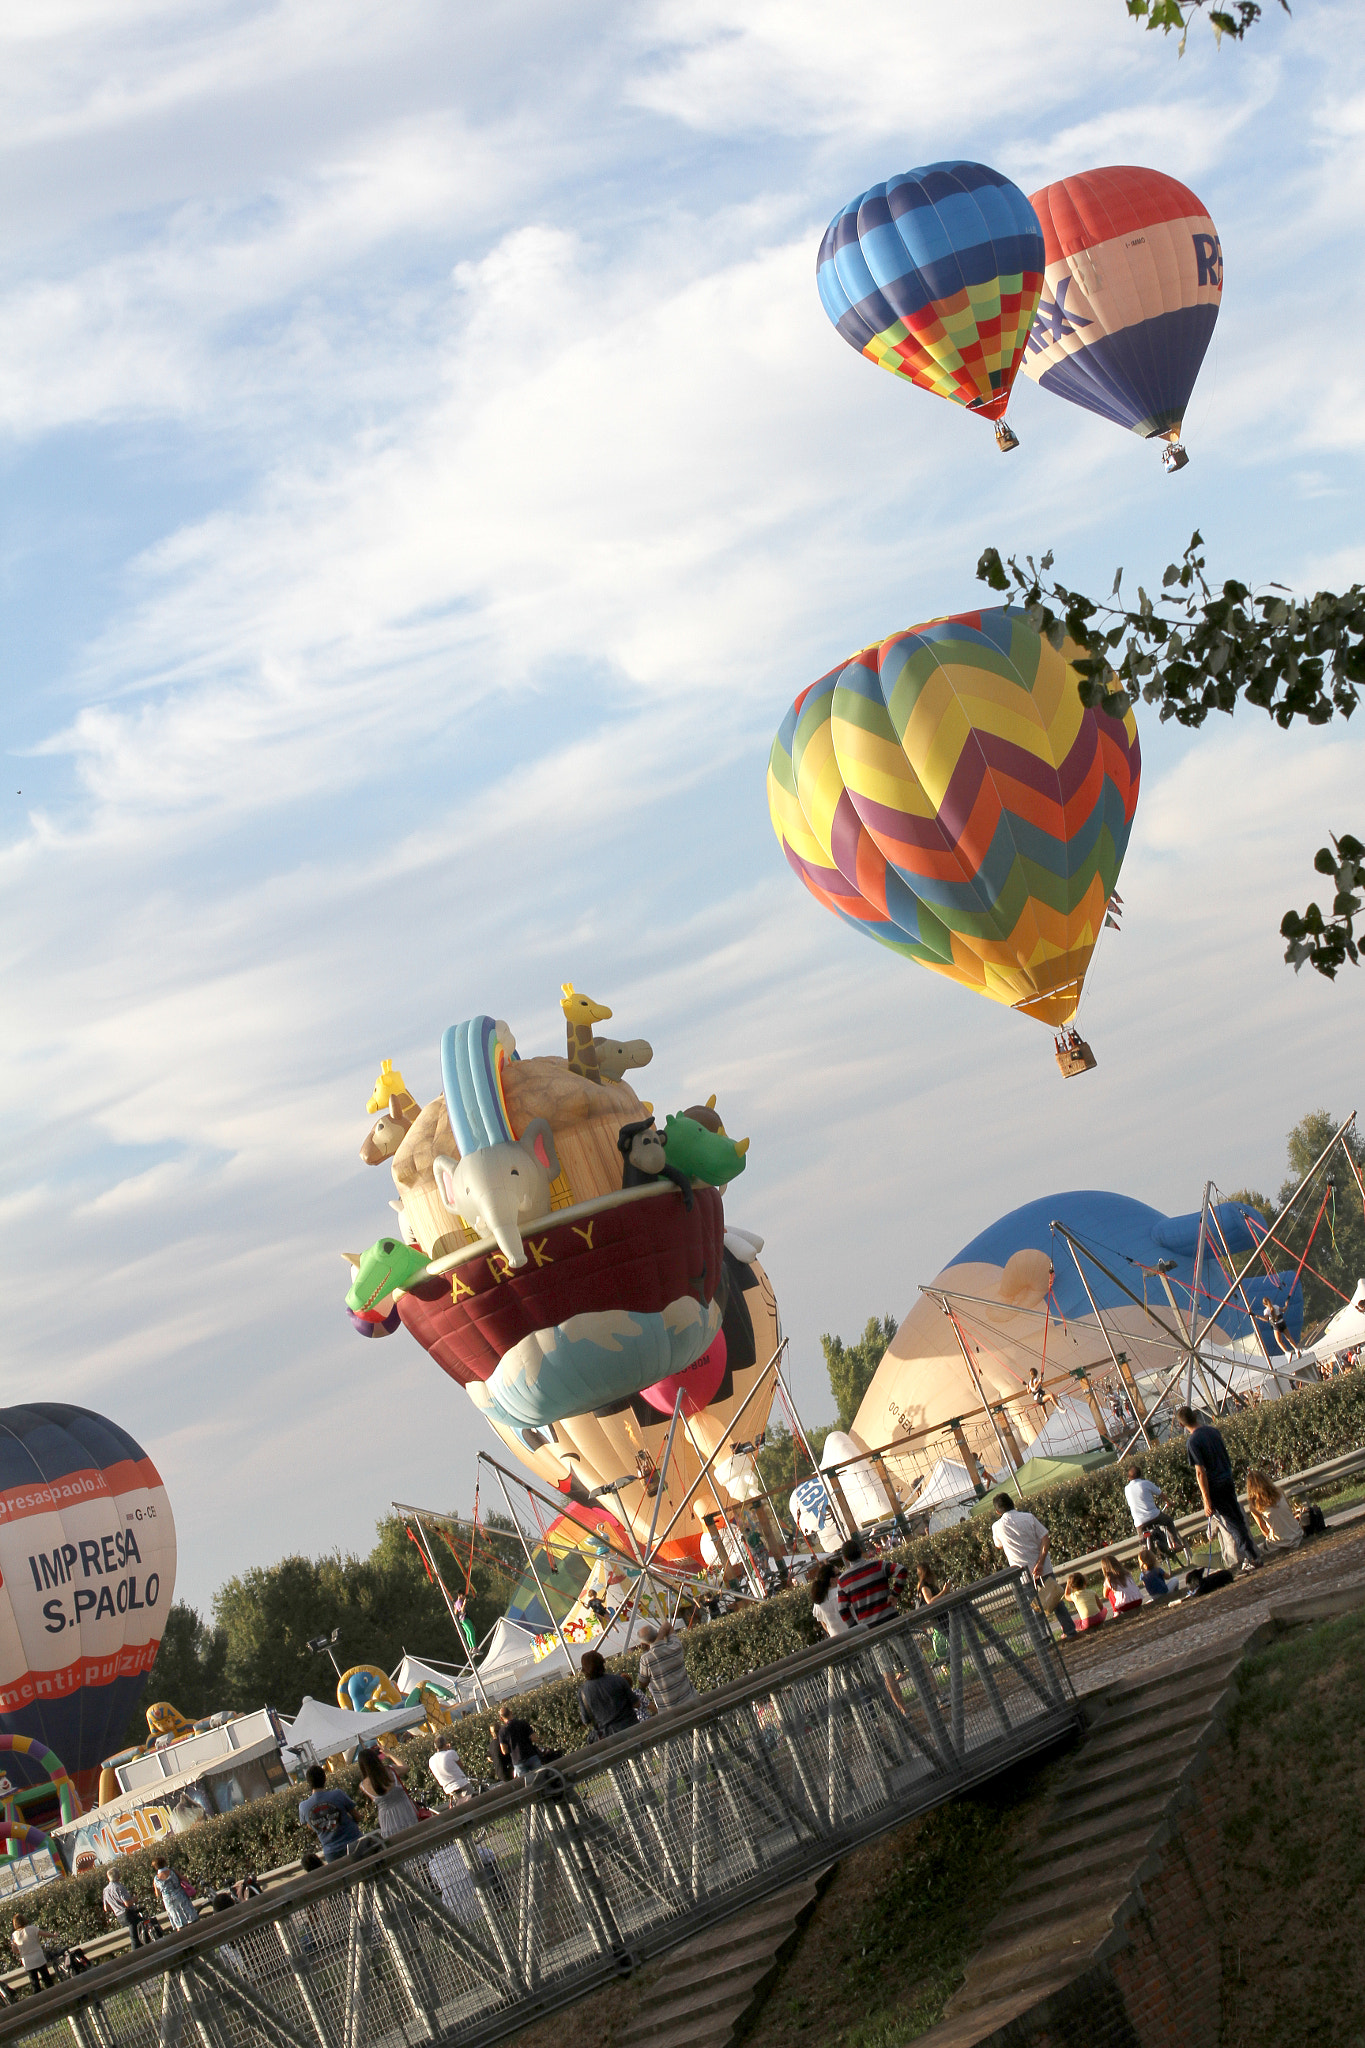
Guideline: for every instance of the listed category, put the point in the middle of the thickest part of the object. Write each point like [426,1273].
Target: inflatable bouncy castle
[564,1256]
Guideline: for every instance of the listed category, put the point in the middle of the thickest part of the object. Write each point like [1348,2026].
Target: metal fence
[525,1899]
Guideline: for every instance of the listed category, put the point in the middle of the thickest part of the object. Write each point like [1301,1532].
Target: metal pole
[738,1544]
[634,1614]
[1324,1154]
[842,1520]
[430,1555]
[1141,1420]
[1246,1304]
[687,1497]
[1199,1258]
[1194,1358]
[529,1559]
[1005,1457]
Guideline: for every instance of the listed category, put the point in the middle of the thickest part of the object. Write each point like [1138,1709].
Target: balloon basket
[1173,457]
[1005,437]
[1076,1058]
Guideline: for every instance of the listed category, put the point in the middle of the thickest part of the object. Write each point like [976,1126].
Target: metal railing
[471,1927]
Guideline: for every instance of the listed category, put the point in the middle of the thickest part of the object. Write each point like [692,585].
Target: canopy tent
[1036,1473]
[412,1672]
[948,1487]
[1069,1432]
[331,1731]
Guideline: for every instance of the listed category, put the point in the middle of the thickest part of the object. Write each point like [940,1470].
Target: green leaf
[991,570]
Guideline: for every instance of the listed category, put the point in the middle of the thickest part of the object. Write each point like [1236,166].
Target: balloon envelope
[87,1558]
[1022,1304]
[1134,282]
[936,275]
[947,792]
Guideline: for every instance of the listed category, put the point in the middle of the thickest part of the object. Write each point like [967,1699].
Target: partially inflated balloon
[947,792]
[936,275]
[87,1570]
[1134,282]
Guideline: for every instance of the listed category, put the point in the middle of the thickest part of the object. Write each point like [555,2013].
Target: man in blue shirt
[1213,1469]
[330,1814]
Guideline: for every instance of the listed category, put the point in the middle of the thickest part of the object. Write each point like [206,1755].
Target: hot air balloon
[1134,282]
[947,792]
[87,1561]
[1023,1305]
[624,1296]
[936,275]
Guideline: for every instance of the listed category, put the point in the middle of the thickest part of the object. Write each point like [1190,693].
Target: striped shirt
[662,1669]
[866,1590]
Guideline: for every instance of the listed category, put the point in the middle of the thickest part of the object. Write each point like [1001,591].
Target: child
[1153,1580]
[1086,1601]
[1121,1590]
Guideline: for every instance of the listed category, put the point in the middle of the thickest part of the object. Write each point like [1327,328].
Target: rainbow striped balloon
[947,792]
[936,275]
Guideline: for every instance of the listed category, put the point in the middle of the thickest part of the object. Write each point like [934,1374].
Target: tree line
[255,1649]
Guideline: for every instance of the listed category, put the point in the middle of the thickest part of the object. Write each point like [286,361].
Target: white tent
[319,1731]
[412,1672]
[1069,1431]
[948,1493]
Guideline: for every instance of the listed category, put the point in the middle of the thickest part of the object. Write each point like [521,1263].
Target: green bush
[1304,1428]
[1084,1514]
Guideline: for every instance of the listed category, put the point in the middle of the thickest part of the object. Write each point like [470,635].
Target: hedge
[1289,1435]
[1302,1429]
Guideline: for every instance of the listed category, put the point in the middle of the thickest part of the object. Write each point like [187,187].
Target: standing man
[330,1814]
[1026,1544]
[1213,1469]
[867,1591]
[120,1904]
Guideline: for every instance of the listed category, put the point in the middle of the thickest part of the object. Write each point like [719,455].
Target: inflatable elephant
[499,1187]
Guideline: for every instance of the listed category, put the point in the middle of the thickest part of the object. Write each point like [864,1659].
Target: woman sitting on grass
[1270,1510]
[1121,1590]
[1086,1601]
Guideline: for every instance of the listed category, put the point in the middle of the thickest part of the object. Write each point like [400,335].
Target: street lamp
[317,1644]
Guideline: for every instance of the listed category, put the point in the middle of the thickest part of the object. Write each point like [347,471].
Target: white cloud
[532,483]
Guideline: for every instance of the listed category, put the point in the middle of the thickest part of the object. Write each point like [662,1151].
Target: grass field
[1293,1854]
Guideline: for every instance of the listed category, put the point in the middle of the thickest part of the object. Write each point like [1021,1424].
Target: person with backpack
[177,1901]
[1027,1546]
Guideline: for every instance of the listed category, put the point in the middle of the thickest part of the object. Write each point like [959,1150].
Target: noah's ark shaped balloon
[566,1259]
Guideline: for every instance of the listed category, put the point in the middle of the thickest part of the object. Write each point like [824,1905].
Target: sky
[428,476]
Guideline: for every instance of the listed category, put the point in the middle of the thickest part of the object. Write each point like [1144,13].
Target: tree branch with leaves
[1292,657]
[1182,14]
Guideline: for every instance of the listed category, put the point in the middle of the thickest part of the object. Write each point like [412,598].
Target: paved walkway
[1155,1636]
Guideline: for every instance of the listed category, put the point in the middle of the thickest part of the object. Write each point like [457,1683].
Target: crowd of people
[857,1588]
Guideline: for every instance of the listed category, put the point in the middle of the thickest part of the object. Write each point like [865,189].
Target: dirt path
[1156,1636]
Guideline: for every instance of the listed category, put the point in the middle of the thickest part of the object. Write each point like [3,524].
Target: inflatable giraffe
[390,1094]
[398,1112]
[580,1014]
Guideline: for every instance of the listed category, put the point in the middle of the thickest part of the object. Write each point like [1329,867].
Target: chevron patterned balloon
[947,792]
